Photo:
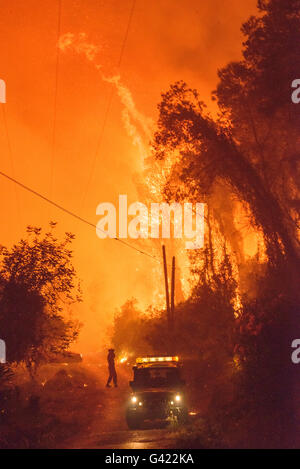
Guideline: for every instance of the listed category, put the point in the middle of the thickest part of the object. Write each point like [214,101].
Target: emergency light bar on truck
[142,360]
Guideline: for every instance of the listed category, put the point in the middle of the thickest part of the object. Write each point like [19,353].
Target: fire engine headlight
[177,398]
[133,399]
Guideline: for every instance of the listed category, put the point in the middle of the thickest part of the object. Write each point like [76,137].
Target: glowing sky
[168,40]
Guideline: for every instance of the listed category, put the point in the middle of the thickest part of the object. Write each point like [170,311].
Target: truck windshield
[156,377]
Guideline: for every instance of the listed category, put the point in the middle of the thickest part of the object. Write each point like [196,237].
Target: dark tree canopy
[252,147]
[37,284]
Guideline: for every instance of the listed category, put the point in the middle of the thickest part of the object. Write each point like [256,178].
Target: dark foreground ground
[70,407]
[108,428]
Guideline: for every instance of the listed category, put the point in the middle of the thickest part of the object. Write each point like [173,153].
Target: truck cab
[157,391]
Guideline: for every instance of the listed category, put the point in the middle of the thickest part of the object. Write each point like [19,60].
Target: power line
[74,215]
[108,107]
[55,97]
[126,32]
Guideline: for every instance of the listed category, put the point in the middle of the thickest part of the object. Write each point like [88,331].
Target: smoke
[140,129]
[79,44]
[137,126]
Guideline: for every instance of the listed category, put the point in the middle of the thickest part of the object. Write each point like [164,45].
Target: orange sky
[168,40]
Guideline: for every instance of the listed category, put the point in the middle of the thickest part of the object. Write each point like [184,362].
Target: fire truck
[157,391]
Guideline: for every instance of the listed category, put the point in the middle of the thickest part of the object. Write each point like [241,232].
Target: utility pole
[173,292]
[166,284]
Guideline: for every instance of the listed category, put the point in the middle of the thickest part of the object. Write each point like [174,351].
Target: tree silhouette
[248,154]
[252,146]
[37,284]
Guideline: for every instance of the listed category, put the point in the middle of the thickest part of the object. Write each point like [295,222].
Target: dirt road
[109,429]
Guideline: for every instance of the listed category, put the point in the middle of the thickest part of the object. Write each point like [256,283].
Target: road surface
[109,429]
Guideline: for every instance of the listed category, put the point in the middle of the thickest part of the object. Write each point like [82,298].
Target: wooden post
[166,284]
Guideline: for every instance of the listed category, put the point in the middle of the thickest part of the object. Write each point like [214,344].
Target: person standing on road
[111,368]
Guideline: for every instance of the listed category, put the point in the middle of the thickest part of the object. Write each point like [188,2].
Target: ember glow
[123,359]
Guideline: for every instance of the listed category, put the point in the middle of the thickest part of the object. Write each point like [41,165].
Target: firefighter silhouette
[111,368]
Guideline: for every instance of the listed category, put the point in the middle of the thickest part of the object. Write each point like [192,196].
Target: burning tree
[246,160]
[251,149]
[248,155]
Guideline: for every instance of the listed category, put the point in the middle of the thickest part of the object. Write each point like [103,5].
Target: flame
[154,177]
